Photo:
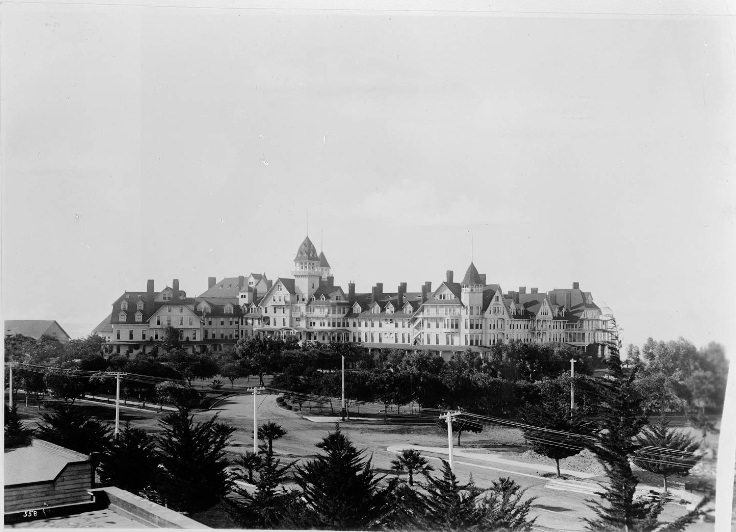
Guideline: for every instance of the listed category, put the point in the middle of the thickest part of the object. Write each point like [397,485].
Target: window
[190,320]
[168,321]
[155,334]
[143,334]
[118,334]
[140,305]
[181,310]
[138,317]
[158,320]
[130,334]
[124,305]
[122,316]
[168,308]
[222,322]
[181,320]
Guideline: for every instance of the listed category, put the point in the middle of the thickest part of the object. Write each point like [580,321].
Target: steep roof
[105,326]
[323,261]
[228,287]
[306,251]
[31,328]
[472,277]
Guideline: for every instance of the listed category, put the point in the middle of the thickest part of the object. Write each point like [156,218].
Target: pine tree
[553,413]
[68,427]
[677,460]
[130,463]
[193,458]
[620,418]
[264,508]
[452,506]
[413,462]
[502,507]
[16,432]
[339,489]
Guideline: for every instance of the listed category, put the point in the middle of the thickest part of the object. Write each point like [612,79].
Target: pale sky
[186,142]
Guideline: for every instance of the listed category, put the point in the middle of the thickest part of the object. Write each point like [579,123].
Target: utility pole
[343,387]
[448,417]
[255,423]
[117,375]
[572,385]
[10,382]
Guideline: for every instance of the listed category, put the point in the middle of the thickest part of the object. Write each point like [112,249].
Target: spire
[323,261]
[306,251]
[472,277]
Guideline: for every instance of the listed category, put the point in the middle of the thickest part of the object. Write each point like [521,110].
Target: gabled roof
[104,327]
[217,306]
[323,261]
[227,287]
[31,328]
[472,277]
[306,251]
[258,276]
[454,288]
[488,292]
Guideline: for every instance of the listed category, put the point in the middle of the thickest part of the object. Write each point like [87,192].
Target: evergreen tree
[264,508]
[193,458]
[620,418]
[678,459]
[250,462]
[130,463]
[271,431]
[16,432]
[408,508]
[553,413]
[452,506]
[502,507]
[338,489]
[67,427]
[412,461]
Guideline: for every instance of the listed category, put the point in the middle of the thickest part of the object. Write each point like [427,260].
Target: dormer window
[124,305]
[122,316]
[322,298]
[138,317]
[228,309]
[140,305]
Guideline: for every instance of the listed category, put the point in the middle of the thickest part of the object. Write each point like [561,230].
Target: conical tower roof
[306,251]
[472,277]
[323,260]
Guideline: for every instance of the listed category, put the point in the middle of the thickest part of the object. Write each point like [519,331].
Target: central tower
[307,269]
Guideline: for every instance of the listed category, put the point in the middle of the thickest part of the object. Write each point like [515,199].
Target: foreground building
[456,316]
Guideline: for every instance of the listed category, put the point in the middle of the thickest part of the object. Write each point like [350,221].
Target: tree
[171,340]
[130,463]
[620,418]
[17,434]
[270,431]
[552,414]
[462,423]
[452,506]
[413,462]
[502,507]
[180,396]
[266,506]
[250,462]
[339,491]
[193,460]
[66,384]
[232,370]
[67,427]
[678,459]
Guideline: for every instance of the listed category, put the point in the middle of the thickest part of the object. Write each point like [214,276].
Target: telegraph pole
[10,382]
[448,417]
[572,385]
[343,387]
[117,375]
[255,423]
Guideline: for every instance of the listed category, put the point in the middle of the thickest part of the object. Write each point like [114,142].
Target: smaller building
[36,329]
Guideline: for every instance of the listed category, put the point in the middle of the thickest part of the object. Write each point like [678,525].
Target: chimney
[400,294]
[576,286]
[449,276]
[428,284]
[483,278]
[351,292]
[379,289]
[331,281]
[255,294]
[424,292]
[568,300]
[534,290]
[522,289]
[149,289]
[175,288]
[374,293]
[211,281]
[241,281]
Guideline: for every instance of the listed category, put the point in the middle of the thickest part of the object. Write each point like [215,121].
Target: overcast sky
[159,142]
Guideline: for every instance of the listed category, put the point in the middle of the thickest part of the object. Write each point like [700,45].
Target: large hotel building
[454,316]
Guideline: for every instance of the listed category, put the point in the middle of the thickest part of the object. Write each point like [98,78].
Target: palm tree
[413,462]
[250,462]
[270,431]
